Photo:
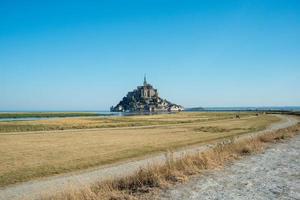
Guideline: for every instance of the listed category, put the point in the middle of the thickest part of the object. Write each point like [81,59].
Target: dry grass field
[29,155]
[111,122]
[147,183]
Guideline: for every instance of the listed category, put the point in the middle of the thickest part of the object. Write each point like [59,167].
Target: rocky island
[145,99]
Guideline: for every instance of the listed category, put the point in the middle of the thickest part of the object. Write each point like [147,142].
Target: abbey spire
[145,80]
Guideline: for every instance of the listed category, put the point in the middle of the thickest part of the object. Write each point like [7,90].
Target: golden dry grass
[29,155]
[110,122]
[142,185]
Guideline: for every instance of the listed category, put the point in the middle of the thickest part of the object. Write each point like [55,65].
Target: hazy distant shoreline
[41,115]
[249,108]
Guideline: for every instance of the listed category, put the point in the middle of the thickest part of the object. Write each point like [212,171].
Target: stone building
[147,91]
[144,99]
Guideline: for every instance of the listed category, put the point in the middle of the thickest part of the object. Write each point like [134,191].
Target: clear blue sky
[86,55]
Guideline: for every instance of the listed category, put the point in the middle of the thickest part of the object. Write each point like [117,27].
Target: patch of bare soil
[275,174]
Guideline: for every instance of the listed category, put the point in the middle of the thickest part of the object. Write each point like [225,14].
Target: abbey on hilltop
[144,99]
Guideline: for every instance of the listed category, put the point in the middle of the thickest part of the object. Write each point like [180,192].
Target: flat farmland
[89,142]
[111,122]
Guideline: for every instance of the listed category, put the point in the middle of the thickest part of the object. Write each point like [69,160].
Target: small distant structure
[145,99]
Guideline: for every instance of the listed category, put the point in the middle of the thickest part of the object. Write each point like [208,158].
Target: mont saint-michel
[145,99]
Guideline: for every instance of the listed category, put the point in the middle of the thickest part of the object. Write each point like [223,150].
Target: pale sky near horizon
[86,55]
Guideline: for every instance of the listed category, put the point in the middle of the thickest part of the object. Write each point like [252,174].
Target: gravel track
[33,189]
[275,174]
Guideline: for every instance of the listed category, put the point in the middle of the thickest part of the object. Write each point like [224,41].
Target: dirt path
[274,174]
[33,189]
